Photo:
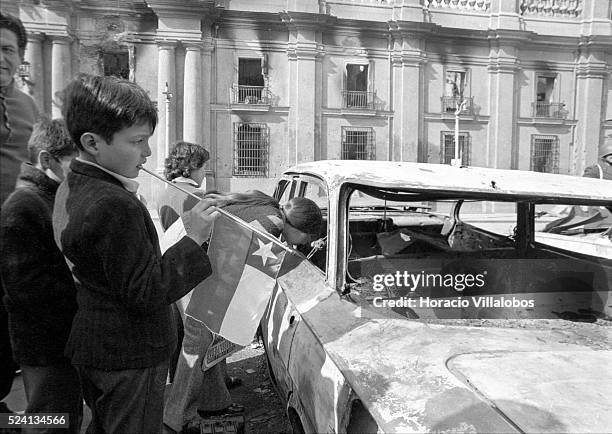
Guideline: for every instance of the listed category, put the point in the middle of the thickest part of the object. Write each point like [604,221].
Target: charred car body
[432,303]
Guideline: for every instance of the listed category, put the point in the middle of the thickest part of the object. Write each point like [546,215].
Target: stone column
[206,130]
[304,125]
[501,149]
[408,58]
[302,100]
[34,56]
[192,95]
[166,73]
[591,74]
[60,70]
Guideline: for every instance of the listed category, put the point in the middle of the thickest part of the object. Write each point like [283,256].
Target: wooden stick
[225,213]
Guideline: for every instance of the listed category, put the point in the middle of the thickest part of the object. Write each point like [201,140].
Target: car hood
[416,377]
[483,376]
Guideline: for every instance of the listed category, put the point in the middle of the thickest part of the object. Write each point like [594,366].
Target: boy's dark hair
[15,25]
[184,158]
[104,106]
[51,136]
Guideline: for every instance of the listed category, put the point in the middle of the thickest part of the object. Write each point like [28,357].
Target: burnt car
[431,303]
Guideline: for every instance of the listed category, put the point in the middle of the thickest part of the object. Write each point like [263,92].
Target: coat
[124,284]
[40,293]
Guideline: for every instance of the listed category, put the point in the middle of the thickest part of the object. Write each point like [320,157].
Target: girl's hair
[184,158]
[301,213]
[249,198]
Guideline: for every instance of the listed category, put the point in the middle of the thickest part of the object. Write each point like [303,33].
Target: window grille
[251,145]
[447,147]
[358,143]
[544,153]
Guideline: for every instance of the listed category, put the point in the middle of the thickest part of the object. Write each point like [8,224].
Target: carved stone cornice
[507,65]
[307,21]
[166,44]
[182,8]
[513,38]
[412,58]
[305,51]
[36,36]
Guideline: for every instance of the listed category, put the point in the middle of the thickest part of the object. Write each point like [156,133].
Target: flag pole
[225,213]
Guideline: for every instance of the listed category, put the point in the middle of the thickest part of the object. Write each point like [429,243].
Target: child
[185,167]
[40,294]
[122,334]
[204,392]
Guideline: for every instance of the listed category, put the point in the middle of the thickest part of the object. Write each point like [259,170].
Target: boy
[122,334]
[40,295]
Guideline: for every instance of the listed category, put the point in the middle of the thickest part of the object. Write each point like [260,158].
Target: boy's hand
[199,220]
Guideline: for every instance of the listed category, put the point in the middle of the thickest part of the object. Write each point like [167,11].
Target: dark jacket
[124,284]
[18,113]
[593,171]
[40,293]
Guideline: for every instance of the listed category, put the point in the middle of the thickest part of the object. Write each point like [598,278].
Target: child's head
[51,149]
[110,120]
[186,160]
[303,220]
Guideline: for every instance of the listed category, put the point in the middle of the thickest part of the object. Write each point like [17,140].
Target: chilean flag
[245,264]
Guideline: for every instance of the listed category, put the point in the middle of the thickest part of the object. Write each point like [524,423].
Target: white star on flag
[264,251]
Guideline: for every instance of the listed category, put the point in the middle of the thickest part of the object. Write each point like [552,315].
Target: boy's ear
[90,141]
[44,159]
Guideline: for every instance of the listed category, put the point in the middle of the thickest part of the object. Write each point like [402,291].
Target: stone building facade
[270,83]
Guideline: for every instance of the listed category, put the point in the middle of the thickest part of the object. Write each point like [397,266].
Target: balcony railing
[550,110]
[357,99]
[466,5]
[552,8]
[250,94]
[449,104]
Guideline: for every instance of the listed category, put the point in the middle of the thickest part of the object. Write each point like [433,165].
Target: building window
[454,92]
[545,105]
[447,147]
[356,94]
[358,144]
[251,88]
[116,64]
[545,154]
[251,144]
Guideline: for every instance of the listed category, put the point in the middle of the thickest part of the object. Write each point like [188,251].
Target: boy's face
[127,151]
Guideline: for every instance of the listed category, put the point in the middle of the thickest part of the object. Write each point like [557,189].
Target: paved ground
[264,412]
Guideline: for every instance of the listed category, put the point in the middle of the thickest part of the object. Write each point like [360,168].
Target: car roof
[477,182]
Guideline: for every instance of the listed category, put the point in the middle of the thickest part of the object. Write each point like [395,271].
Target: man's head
[13,40]
[110,120]
[51,149]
